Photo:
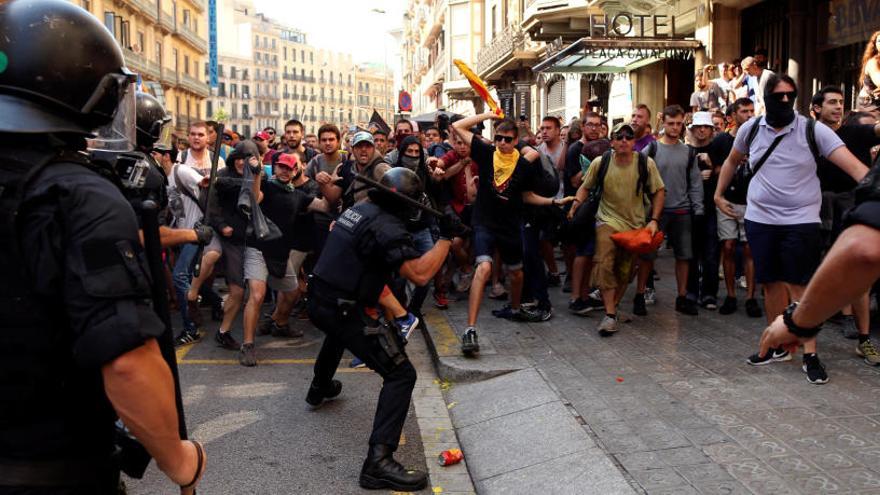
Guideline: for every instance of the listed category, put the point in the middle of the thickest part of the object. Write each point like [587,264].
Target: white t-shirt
[785,190]
[554,158]
[189,179]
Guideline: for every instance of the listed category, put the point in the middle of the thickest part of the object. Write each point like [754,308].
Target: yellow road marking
[182,351]
[446,341]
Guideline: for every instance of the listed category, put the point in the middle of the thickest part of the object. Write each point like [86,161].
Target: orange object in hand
[638,241]
[479,87]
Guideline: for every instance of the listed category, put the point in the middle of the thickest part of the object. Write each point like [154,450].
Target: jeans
[182,277]
[534,273]
[703,273]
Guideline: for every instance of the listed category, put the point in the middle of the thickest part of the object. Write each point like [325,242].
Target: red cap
[262,135]
[287,160]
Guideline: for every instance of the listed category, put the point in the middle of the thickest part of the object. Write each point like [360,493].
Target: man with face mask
[783,201]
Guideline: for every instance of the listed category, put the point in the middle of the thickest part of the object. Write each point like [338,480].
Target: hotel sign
[625,24]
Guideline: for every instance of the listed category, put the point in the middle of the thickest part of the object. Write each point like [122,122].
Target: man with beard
[294,141]
[641,124]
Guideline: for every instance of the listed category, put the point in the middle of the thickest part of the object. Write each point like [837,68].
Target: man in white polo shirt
[782,209]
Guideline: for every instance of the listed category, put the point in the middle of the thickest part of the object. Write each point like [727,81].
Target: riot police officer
[367,247]
[77,335]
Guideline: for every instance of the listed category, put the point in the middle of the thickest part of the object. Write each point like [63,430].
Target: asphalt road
[261,437]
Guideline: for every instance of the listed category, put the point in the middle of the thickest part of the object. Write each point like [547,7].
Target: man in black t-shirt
[859,132]
[505,178]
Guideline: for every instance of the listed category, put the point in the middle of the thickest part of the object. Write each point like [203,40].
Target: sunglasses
[227,137]
[506,139]
[624,136]
[781,94]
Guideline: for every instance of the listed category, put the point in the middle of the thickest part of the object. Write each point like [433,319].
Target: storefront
[844,35]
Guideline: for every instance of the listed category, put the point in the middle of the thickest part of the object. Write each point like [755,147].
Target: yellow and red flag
[479,86]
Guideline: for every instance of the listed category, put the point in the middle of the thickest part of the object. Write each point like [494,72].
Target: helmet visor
[163,143]
[120,134]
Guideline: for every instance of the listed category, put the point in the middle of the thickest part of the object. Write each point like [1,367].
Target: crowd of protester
[520,192]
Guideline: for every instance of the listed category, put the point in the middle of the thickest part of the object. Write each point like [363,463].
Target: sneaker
[317,395]
[286,331]
[608,326]
[580,307]
[814,370]
[505,312]
[440,301]
[186,338]
[685,306]
[742,282]
[545,314]
[464,281]
[529,305]
[469,343]
[247,356]
[596,295]
[709,302]
[753,309]
[639,308]
[866,350]
[850,330]
[194,312]
[729,306]
[226,340]
[356,363]
[527,315]
[498,292]
[265,327]
[553,280]
[650,296]
[407,324]
[772,356]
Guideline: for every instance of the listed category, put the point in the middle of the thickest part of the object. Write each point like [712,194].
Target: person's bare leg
[516,286]
[728,257]
[578,275]
[796,292]
[862,311]
[549,255]
[775,300]
[257,290]
[231,306]
[645,267]
[478,286]
[681,276]
[749,268]
[609,298]
[209,259]
[286,300]
[390,303]
[462,258]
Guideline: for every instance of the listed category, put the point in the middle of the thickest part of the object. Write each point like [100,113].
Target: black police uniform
[73,290]
[364,250]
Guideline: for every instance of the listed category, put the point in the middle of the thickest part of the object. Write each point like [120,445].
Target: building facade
[165,42]
[374,91]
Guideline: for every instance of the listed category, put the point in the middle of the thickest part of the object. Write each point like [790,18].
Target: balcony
[313,98]
[509,49]
[198,4]
[195,86]
[194,40]
[168,77]
[141,65]
[166,22]
[147,8]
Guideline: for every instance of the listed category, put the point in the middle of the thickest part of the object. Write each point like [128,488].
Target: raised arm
[463,126]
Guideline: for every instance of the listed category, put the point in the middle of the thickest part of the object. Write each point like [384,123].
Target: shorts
[613,266]
[255,269]
[732,228]
[233,254]
[784,253]
[509,246]
[867,213]
[679,232]
[587,248]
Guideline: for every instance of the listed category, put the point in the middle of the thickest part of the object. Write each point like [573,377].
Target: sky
[346,26]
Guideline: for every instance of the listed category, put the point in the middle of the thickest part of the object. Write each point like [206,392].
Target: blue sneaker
[505,312]
[356,363]
[407,324]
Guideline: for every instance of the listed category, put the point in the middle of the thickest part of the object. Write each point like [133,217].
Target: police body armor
[54,416]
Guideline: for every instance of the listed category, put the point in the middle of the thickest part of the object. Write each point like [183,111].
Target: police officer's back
[77,335]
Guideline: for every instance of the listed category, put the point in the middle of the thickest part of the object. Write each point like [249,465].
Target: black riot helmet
[60,69]
[152,122]
[403,182]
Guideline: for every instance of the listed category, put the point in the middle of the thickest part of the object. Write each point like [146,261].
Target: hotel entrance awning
[613,55]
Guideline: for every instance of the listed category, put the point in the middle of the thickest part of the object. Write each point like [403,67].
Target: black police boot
[382,471]
[317,395]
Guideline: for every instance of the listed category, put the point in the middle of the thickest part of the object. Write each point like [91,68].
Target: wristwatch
[804,333]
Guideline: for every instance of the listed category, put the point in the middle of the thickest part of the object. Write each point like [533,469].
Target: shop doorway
[679,82]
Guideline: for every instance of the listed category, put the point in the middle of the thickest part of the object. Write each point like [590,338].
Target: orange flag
[479,86]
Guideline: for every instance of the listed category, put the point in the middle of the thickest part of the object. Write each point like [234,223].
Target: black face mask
[779,113]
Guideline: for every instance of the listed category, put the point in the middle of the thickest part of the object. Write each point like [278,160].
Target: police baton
[215,159]
[406,199]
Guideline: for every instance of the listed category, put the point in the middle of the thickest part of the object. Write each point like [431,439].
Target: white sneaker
[650,296]
[464,282]
[742,282]
[608,326]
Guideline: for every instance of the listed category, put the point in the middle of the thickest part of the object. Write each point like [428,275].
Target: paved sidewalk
[669,400]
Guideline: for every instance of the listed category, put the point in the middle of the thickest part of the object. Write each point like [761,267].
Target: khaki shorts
[255,269]
[613,267]
[732,228]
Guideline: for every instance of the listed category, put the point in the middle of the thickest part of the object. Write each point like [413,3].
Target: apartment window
[293,55]
[245,91]
[159,53]
[311,57]
[209,108]
[494,19]
[219,70]
[256,41]
[245,113]
[273,43]
[186,17]
[186,64]
[246,129]
[265,42]
[110,22]
[86,4]
[233,72]
[176,59]
[285,53]
[233,90]
[222,89]
[141,43]
[367,87]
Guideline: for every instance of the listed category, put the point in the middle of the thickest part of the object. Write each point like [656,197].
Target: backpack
[651,152]
[811,141]
[546,178]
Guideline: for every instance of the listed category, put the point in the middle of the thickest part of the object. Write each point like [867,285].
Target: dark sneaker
[527,315]
[286,331]
[650,296]
[579,307]
[226,340]
[545,314]
[753,309]
[685,306]
[469,343]
[553,280]
[265,326]
[850,330]
[772,356]
[194,312]
[407,325]
[729,306]
[639,308]
[709,302]
[356,363]
[317,395]
[186,338]
[814,370]
[505,312]
[247,356]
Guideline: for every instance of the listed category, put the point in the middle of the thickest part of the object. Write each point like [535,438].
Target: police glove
[204,233]
[450,226]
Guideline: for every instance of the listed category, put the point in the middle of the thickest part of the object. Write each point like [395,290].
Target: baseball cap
[621,126]
[288,160]
[262,135]
[702,118]
[362,136]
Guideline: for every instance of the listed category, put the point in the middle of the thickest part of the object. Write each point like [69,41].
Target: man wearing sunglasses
[622,207]
[782,205]
[506,174]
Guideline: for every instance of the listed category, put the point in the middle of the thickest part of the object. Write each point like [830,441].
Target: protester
[641,125]
[757,82]
[707,95]
[869,94]
[703,273]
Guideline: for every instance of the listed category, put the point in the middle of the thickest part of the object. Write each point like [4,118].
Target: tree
[220,115]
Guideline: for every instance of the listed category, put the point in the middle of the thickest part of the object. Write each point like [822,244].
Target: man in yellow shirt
[621,208]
